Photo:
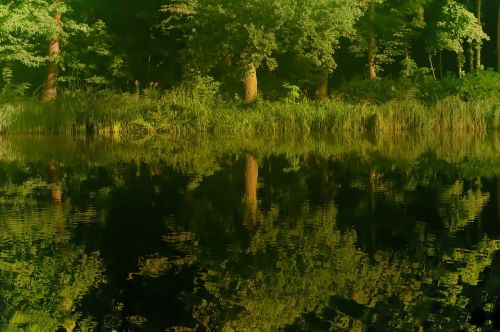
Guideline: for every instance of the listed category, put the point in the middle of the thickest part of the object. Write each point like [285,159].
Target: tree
[240,35]
[454,27]
[251,181]
[28,26]
[478,44]
[50,91]
[22,25]
[385,29]
[314,29]
[72,33]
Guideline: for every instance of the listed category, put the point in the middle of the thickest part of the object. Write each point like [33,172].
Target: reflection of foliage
[471,154]
[313,262]
[42,276]
[296,261]
[40,292]
[296,264]
[460,269]
[461,208]
[153,266]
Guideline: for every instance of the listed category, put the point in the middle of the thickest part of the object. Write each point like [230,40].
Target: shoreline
[111,112]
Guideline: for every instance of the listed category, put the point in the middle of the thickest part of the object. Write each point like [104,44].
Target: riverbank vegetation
[192,66]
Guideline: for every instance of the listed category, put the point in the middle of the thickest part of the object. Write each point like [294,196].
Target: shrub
[292,92]
[481,85]
[377,91]
[202,88]
[431,91]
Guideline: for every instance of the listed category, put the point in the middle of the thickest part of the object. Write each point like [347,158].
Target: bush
[377,91]
[10,89]
[431,91]
[481,85]
[203,89]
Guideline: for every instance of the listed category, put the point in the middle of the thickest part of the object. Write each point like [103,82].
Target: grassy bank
[180,112]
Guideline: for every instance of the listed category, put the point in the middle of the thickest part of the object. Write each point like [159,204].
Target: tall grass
[181,112]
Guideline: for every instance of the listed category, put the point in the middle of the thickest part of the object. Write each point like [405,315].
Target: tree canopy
[169,41]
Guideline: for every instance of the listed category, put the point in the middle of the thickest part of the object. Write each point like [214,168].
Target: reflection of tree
[42,276]
[498,197]
[279,283]
[251,177]
[302,264]
[297,261]
[459,208]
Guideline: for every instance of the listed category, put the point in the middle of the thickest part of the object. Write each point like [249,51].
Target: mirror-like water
[346,233]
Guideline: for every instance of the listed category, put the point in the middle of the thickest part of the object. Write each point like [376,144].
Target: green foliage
[215,43]
[432,91]
[387,26]
[456,26]
[27,26]
[313,30]
[8,114]
[409,68]
[452,29]
[10,89]
[417,83]
[87,59]
[43,277]
[483,85]
[378,91]
[292,92]
[183,111]
[202,89]
[227,32]
[22,24]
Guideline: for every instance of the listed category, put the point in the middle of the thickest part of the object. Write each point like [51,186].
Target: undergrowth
[198,106]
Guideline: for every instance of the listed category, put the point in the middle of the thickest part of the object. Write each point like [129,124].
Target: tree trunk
[250,84]
[433,70]
[478,45]
[251,177]
[322,89]
[371,57]
[55,191]
[50,91]
[56,194]
[460,62]
[441,71]
[471,58]
[372,189]
[372,44]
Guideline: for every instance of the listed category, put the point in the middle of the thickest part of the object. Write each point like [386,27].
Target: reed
[177,112]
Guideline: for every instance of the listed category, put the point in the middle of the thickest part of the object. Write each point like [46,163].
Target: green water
[397,232]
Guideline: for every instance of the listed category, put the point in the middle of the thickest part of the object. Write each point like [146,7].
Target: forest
[249,165]
[256,66]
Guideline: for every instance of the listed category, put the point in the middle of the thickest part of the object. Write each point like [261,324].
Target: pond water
[397,232]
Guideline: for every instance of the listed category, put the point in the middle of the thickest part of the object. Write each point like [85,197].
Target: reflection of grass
[176,113]
[471,154]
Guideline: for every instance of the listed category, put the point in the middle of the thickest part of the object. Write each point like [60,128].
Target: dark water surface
[247,234]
